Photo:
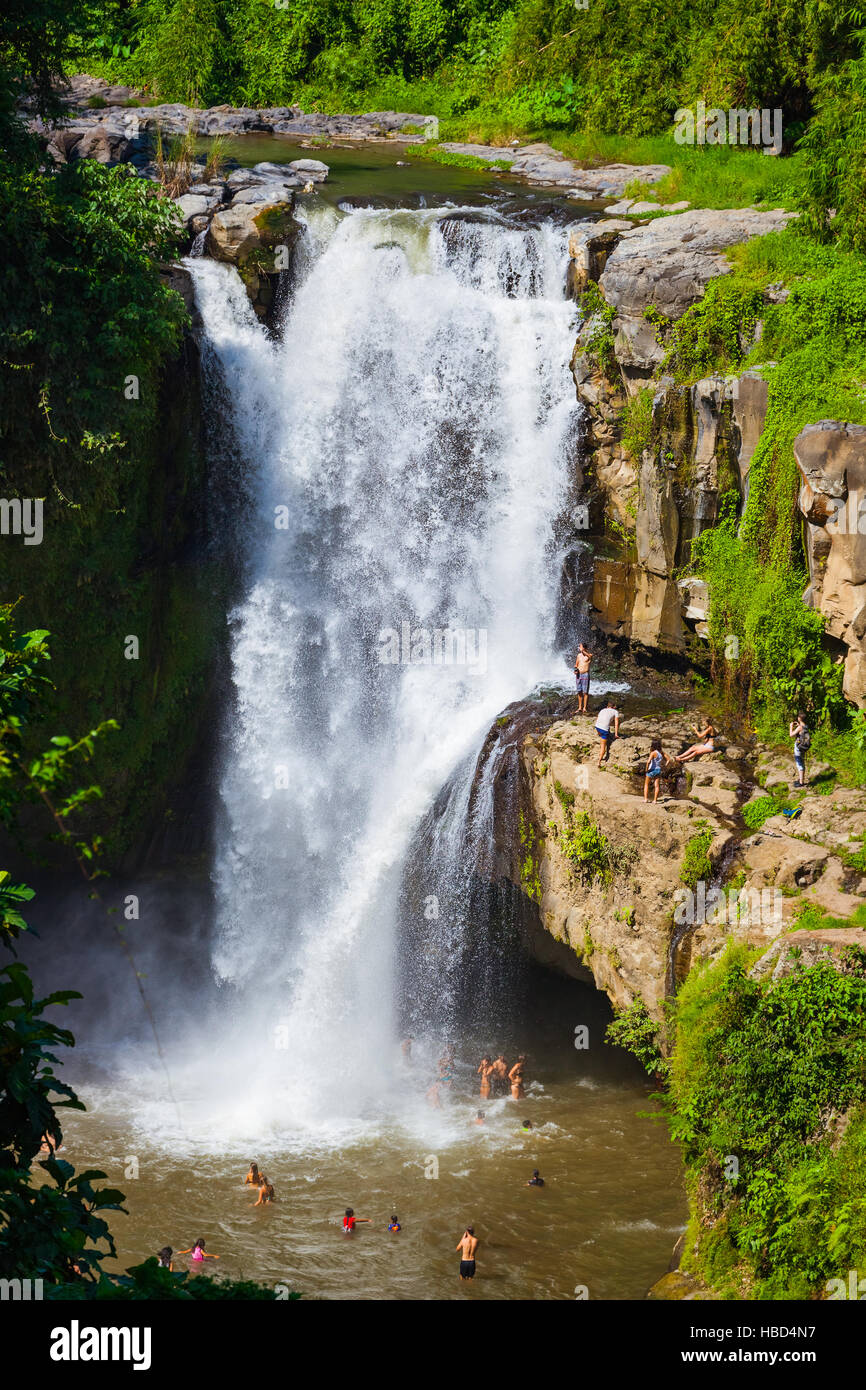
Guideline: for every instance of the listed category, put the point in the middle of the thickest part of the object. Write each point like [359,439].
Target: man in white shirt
[606,717]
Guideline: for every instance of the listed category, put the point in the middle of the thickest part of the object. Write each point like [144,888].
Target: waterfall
[410,444]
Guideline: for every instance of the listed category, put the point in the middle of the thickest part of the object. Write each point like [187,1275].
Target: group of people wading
[497,1078]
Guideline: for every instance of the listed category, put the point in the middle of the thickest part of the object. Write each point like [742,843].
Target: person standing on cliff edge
[608,715]
[582,664]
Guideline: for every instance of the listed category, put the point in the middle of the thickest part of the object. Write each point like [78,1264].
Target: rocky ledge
[628,895]
[543,165]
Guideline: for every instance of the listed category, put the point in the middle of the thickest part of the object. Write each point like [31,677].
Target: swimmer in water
[350,1221]
[266,1192]
[406,1048]
[535,1180]
[479,1118]
[164,1257]
[252,1178]
[446,1066]
[197,1253]
[526,1126]
[433,1096]
[515,1076]
[467,1245]
[484,1071]
[394,1225]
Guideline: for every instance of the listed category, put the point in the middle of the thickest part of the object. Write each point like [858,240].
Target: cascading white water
[409,441]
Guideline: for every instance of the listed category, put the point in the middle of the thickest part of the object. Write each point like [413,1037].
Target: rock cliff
[629,895]
[659,487]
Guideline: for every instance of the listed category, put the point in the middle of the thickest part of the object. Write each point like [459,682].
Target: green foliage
[181,50]
[636,1031]
[35,47]
[86,309]
[530,859]
[84,306]
[708,337]
[835,144]
[44,1230]
[599,341]
[591,854]
[756,812]
[814,350]
[151,1281]
[564,796]
[811,917]
[763,1072]
[39,774]
[637,422]
[696,867]
[450,157]
[493,67]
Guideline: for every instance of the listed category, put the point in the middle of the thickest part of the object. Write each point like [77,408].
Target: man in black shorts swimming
[467,1245]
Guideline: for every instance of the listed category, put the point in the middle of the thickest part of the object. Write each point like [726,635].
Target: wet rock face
[831,457]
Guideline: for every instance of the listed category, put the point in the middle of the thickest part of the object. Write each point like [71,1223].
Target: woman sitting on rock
[707,744]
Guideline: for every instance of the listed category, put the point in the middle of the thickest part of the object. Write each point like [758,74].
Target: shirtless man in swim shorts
[499,1075]
[582,664]
[467,1245]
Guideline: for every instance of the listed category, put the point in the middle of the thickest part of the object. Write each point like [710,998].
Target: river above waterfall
[387,174]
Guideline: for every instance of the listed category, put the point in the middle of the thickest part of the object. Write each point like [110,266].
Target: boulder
[236,232]
[695,600]
[108,142]
[279,173]
[264,193]
[589,245]
[312,169]
[667,264]
[194,205]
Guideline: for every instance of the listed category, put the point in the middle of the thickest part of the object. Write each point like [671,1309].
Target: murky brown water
[607,1218]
